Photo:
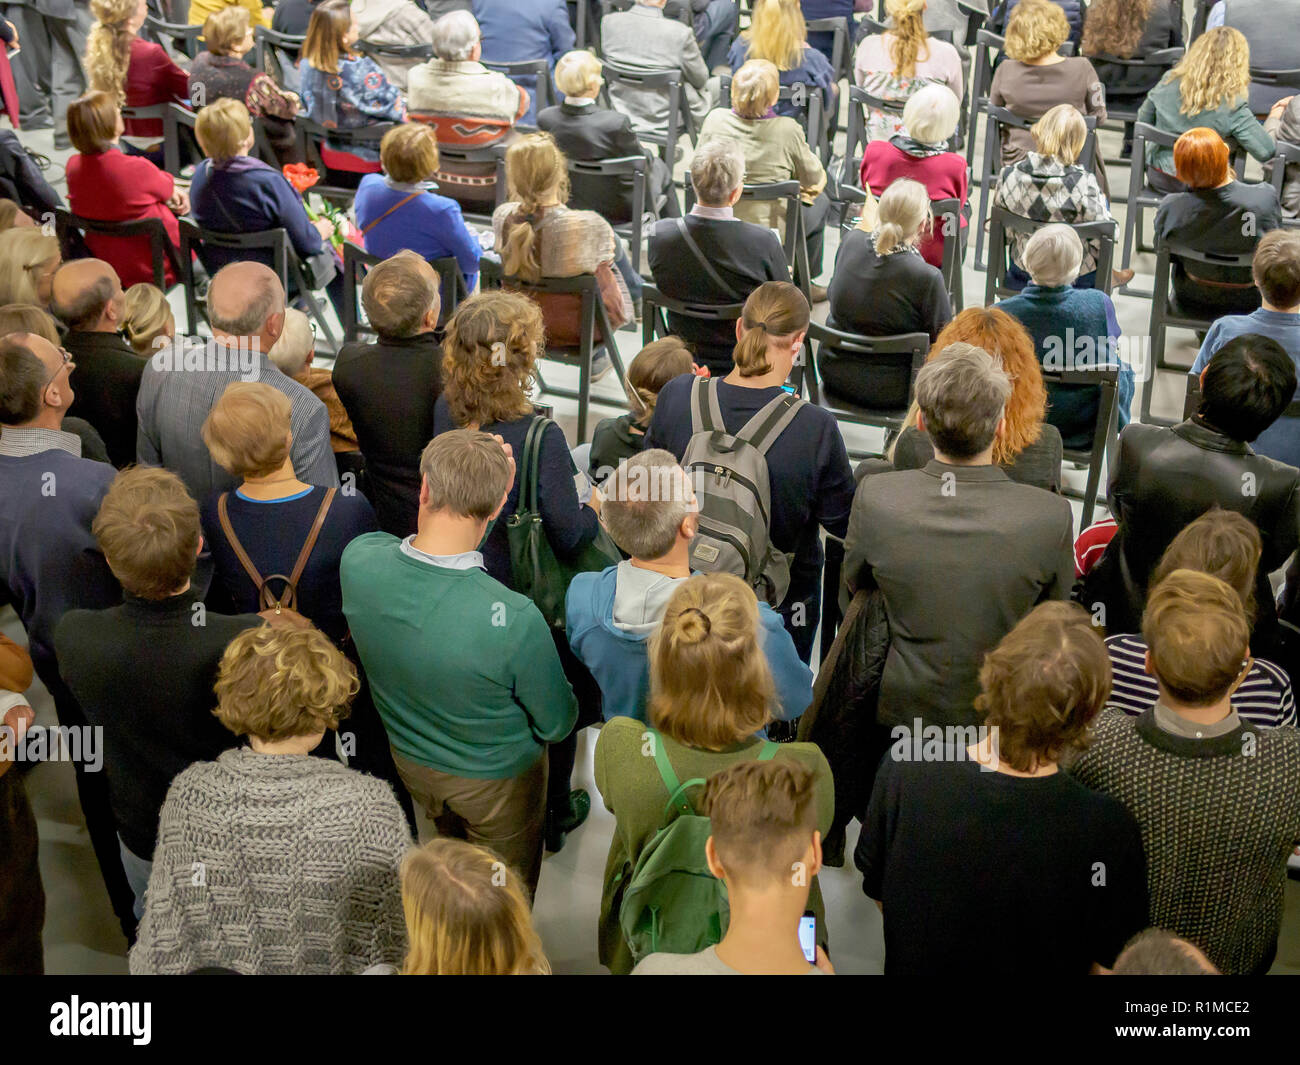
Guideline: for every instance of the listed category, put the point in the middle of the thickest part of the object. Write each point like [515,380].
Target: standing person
[518,30]
[51,36]
[466,676]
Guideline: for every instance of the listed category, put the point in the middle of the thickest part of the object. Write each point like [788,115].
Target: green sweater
[634,793]
[1236,124]
[463,670]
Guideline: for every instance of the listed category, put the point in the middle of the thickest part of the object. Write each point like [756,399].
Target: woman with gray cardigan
[269,860]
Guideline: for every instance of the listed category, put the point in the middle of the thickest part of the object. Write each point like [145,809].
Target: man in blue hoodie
[651,513]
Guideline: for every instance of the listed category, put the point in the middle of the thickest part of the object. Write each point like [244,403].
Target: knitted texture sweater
[274,864]
[1218,817]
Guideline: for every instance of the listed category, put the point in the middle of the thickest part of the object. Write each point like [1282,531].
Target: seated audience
[456,85]
[400,208]
[300,854]
[341,89]
[1051,308]
[711,256]
[293,354]
[643,38]
[271,515]
[468,682]
[463,918]
[1166,478]
[516,31]
[143,671]
[109,185]
[777,32]
[1208,89]
[810,479]
[246,311]
[1282,124]
[393,24]
[1276,271]
[1235,787]
[651,512]
[882,287]
[586,132]
[1226,545]
[1028,449]
[1216,214]
[775,150]
[202,10]
[616,439]
[29,258]
[147,322]
[1074,11]
[1156,952]
[912,533]
[763,823]
[1028,838]
[389,387]
[920,151]
[896,64]
[88,299]
[1048,185]
[711,692]
[22,895]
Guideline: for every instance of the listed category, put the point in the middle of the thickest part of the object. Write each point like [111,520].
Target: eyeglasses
[66,364]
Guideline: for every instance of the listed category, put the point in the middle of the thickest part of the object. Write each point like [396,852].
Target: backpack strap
[224,517]
[706,411]
[310,542]
[764,427]
[677,799]
[769,751]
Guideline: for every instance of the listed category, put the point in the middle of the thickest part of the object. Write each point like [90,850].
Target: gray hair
[930,114]
[455,35]
[244,312]
[646,500]
[296,343]
[1053,255]
[399,293]
[717,170]
[962,392]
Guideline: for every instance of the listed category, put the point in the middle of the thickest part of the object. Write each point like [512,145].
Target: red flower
[301,176]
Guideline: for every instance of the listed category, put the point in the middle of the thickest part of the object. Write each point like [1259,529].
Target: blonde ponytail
[909,35]
[536,170]
[108,47]
[904,214]
[774,310]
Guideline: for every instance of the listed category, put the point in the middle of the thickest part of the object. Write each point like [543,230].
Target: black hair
[1248,383]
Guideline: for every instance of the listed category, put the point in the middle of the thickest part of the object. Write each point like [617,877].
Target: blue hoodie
[610,616]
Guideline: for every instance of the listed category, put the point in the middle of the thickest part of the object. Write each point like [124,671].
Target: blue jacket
[815,70]
[618,656]
[517,30]
[430,225]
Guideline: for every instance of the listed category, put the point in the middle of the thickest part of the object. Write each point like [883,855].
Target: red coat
[943,175]
[152,78]
[115,187]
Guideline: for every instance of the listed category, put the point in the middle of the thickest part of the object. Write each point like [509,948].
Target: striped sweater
[1219,817]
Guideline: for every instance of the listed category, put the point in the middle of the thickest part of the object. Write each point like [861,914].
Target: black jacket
[587,134]
[743,254]
[389,388]
[21,179]
[104,389]
[1166,478]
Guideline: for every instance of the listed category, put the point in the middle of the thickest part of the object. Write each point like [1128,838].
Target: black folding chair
[586,23]
[668,82]
[356,261]
[841,53]
[161,249]
[489,157]
[164,114]
[793,243]
[1141,196]
[1105,436]
[655,306]
[607,171]
[1199,18]
[333,154]
[379,52]
[1123,118]
[986,46]
[177,38]
[1286,154]
[277,55]
[806,100]
[1265,78]
[947,215]
[1002,221]
[544,94]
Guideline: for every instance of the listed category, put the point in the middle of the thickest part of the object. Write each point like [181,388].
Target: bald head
[247,300]
[86,296]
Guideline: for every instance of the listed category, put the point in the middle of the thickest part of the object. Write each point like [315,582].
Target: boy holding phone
[766,848]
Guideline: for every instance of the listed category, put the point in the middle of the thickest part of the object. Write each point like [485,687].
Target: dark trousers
[22,897]
[47,69]
[814,227]
[563,753]
[801,609]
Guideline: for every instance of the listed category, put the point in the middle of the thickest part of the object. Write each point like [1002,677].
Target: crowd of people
[341,624]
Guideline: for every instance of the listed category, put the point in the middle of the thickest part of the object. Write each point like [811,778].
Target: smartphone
[808,936]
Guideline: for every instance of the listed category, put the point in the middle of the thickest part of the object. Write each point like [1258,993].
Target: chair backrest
[654,303]
[608,174]
[1283,155]
[908,349]
[947,221]
[544,94]
[805,99]
[1001,221]
[356,261]
[841,53]
[378,51]
[999,117]
[277,54]
[1280,79]
[1105,378]
[1161,60]
[555,296]
[195,238]
[855,133]
[182,38]
[668,82]
[328,150]
[161,249]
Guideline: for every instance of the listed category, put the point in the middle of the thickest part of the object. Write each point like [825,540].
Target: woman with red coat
[106,184]
[920,152]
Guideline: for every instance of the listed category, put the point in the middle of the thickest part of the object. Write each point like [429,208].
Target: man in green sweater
[463,670]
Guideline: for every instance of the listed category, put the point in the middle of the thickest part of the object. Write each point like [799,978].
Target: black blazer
[21,180]
[104,392]
[389,388]
[743,254]
[587,134]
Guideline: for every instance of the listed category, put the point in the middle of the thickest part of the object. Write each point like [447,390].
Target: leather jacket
[1165,479]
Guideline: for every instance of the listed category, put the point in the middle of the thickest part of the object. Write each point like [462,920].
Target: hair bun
[692,625]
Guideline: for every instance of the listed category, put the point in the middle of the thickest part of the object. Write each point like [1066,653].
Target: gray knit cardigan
[274,864]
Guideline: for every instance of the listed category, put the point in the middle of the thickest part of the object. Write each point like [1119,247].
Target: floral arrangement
[302,177]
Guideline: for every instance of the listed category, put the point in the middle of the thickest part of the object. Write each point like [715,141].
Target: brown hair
[323,46]
[1036,28]
[489,358]
[467,473]
[409,152]
[92,122]
[763,817]
[1043,684]
[1222,543]
[1276,267]
[9,212]
[1114,27]
[1196,630]
[1201,159]
[653,367]
[225,30]
[399,293]
[148,529]
[247,429]
[535,168]
[28,318]
[710,685]
[276,683]
[774,310]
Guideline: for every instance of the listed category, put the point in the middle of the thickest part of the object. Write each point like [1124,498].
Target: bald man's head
[82,291]
[242,300]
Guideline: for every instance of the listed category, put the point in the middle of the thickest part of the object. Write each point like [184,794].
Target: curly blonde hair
[1036,28]
[1214,72]
[489,360]
[909,35]
[108,47]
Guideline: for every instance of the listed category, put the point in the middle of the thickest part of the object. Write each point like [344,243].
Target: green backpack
[672,903]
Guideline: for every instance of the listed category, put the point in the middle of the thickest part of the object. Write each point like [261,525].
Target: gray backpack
[729,473]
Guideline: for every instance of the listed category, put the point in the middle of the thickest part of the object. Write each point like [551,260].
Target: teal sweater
[1236,124]
[463,670]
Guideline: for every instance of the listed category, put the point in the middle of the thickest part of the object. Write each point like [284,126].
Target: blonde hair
[222,129]
[1196,630]
[295,344]
[409,152]
[1035,29]
[226,29]
[535,170]
[108,47]
[148,529]
[247,430]
[28,318]
[710,685]
[755,87]
[775,309]
[777,32]
[578,73]
[903,215]
[653,367]
[1060,134]
[23,254]
[467,914]
[146,316]
[1215,71]
[909,35]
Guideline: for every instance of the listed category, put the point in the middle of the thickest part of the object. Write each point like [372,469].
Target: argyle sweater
[1218,817]
[1043,189]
